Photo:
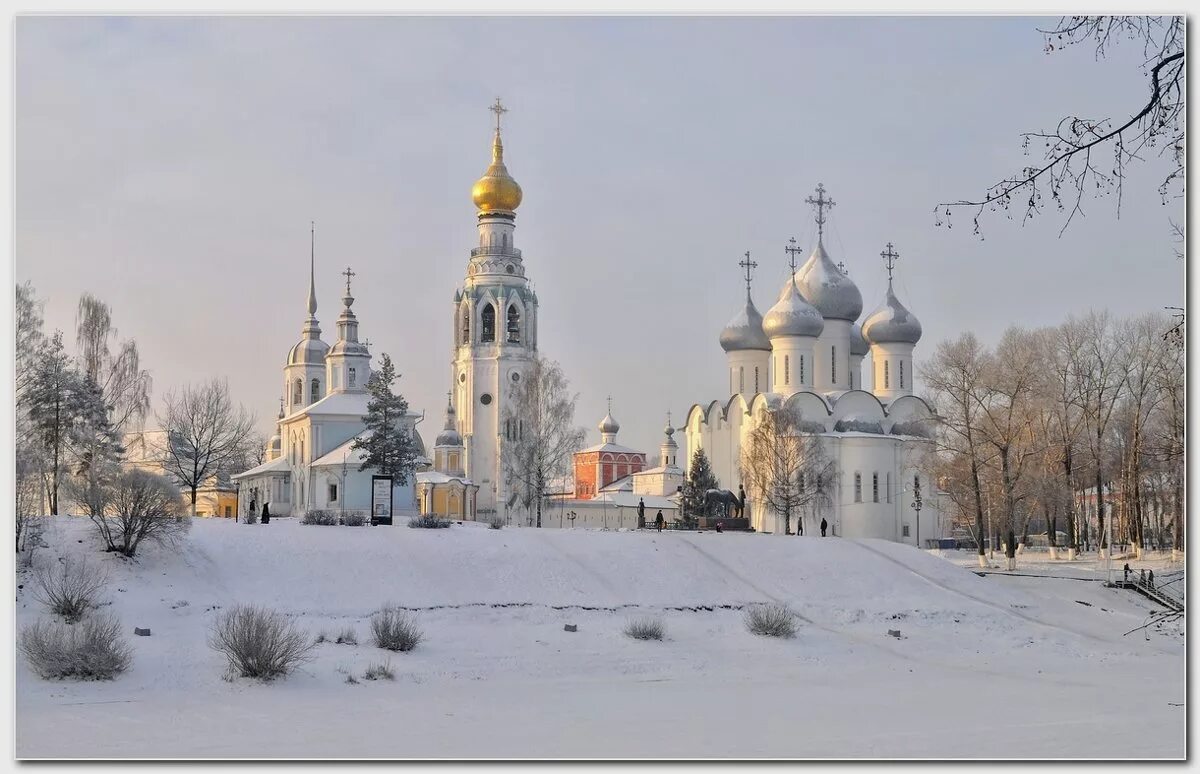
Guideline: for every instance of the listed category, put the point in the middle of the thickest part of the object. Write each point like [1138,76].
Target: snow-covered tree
[123,383]
[388,445]
[204,433]
[54,399]
[543,436]
[700,479]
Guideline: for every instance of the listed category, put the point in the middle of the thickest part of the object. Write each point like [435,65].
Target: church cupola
[793,326]
[304,374]
[893,333]
[496,191]
[348,361]
[609,427]
[747,349]
[669,448]
[448,447]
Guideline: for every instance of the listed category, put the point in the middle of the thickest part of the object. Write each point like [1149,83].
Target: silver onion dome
[859,346]
[308,352]
[449,435]
[745,330]
[608,424]
[892,323]
[792,315]
[827,288]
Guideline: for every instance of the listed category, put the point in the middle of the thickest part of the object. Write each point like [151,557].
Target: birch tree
[541,434]
[123,383]
[786,467]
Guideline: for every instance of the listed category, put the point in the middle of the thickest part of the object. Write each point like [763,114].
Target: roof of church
[340,403]
[661,469]
[278,464]
[437,477]
[345,454]
[622,484]
[615,448]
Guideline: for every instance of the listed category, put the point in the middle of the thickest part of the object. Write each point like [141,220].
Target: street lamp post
[916,504]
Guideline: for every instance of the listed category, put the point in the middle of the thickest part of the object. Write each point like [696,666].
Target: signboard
[381,499]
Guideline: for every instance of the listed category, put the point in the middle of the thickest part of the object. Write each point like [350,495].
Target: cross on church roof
[792,249]
[890,256]
[748,265]
[499,110]
[348,274]
[842,267]
[822,204]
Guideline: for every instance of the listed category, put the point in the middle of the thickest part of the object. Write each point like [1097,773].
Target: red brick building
[598,466]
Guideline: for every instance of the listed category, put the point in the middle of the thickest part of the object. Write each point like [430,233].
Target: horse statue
[726,499]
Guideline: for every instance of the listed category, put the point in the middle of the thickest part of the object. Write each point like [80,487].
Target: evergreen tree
[54,399]
[700,479]
[389,444]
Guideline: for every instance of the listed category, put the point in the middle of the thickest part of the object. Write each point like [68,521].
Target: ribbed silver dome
[745,331]
[609,425]
[892,323]
[449,437]
[792,315]
[308,352]
[833,293]
[859,346]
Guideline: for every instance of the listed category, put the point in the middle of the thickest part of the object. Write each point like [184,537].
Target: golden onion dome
[496,191]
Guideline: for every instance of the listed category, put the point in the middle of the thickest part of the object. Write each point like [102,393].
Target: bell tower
[495,330]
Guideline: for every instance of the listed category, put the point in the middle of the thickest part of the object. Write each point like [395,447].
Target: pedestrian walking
[641,511]
[266,514]
[824,526]
[658,521]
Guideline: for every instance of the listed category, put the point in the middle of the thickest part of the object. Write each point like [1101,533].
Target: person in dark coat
[641,513]
[824,526]
[718,527]
[266,514]
[1127,572]
[253,508]
[658,521]
[1152,579]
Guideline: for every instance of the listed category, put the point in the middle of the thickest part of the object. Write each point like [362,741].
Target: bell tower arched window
[488,319]
[316,391]
[466,324]
[297,392]
[513,327]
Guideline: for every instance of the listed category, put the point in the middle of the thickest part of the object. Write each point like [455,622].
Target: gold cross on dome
[822,204]
[499,110]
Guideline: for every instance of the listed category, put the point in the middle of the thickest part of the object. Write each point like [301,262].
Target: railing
[1163,593]
[511,252]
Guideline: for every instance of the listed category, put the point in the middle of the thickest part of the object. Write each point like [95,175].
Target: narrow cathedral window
[886,375]
[333,493]
[297,392]
[466,325]
[514,325]
[858,487]
[802,369]
[755,380]
[351,378]
[741,379]
[316,391]
[833,365]
[787,370]
[902,374]
[489,324]
[875,487]
[888,488]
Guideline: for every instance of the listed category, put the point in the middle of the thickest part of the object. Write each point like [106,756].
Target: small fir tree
[389,445]
[700,479]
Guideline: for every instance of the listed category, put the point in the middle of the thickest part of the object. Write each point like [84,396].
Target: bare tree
[124,384]
[137,506]
[540,432]
[1077,153]
[785,465]
[204,433]
[1144,358]
[28,496]
[30,340]
[953,377]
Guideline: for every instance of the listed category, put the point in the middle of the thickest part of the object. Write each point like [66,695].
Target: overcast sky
[171,166]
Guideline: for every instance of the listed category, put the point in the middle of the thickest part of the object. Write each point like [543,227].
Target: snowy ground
[990,666]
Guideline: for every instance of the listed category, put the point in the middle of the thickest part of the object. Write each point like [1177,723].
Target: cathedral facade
[806,356]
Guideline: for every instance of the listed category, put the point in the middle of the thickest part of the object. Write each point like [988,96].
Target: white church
[806,355]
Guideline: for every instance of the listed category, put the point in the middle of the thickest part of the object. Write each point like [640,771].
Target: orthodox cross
[842,267]
[748,265]
[822,204]
[610,405]
[281,407]
[889,260]
[499,110]
[348,274]
[367,343]
[792,250]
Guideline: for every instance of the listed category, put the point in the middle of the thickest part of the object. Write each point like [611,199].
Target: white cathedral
[806,355]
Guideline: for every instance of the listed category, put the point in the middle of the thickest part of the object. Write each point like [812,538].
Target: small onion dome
[745,331]
[668,431]
[892,323]
[496,190]
[859,346]
[609,425]
[827,288]
[792,315]
[449,435]
[308,352]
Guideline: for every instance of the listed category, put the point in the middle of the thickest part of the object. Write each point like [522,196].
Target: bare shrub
[348,636]
[771,620]
[380,672]
[496,523]
[394,629]
[141,506]
[69,588]
[91,650]
[259,642]
[320,518]
[351,679]
[322,637]
[354,518]
[646,629]
[428,521]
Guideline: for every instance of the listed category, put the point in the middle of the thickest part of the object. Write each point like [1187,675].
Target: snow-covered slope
[498,676]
